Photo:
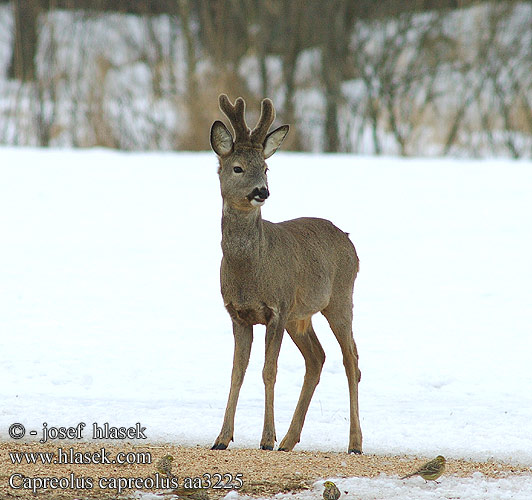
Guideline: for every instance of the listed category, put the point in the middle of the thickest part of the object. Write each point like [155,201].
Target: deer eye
[237,170]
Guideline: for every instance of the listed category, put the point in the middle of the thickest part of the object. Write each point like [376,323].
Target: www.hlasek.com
[70,456]
[19,481]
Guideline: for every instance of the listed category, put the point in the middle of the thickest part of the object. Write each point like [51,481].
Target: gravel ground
[262,472]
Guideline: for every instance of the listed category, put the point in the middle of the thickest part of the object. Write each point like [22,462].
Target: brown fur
[279,275]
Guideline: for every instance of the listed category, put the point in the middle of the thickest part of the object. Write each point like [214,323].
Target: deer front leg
[274,337]
[243,335]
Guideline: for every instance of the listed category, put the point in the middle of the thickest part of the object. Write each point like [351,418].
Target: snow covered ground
[110,309]
[384,487]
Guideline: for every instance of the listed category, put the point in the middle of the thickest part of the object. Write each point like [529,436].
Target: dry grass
[263,473]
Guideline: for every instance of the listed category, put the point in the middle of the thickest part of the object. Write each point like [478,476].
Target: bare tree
[394,77]
[337,23]
[26,15]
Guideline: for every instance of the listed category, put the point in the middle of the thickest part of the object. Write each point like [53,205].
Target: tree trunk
[338,22]
[25,14]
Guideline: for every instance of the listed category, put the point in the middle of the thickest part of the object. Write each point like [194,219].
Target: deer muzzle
[258,196]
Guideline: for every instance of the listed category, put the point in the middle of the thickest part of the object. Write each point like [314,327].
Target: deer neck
[242,234]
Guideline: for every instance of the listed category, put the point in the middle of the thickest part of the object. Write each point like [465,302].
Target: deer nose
[263,193]
[258,195]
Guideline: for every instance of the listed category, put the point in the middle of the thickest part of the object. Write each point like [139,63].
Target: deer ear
[274,140]
[221,139]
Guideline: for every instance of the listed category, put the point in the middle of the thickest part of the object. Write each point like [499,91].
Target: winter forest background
[417,77]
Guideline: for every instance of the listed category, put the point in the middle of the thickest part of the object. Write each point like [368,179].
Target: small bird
[331,491]
[191,493]
[164,465]
[431,470]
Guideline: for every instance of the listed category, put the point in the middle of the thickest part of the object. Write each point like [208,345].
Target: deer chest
[259,314]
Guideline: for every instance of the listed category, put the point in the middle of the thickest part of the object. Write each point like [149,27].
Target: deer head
[243,168]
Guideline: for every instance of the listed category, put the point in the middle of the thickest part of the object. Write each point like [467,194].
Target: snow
[110,309]
[477,487]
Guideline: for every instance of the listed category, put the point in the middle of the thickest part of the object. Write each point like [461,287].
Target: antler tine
[235,113]
[267,116]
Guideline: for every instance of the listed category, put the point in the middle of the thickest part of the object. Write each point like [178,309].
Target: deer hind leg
[340,320]
[274,337]
[243,335]
[305,339]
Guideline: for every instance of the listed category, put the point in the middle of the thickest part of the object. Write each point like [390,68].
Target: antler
[267,116]
[235,113]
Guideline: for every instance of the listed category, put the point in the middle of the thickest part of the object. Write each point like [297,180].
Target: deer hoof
[354,451]
[219,446]
[283,449]
[266,447]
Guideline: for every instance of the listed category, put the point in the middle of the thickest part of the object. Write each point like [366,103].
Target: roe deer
[278,275]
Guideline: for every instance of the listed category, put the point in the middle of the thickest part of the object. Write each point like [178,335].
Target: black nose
[259,194]
[263,193]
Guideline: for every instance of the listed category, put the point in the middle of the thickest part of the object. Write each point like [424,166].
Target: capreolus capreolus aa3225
[278,275]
